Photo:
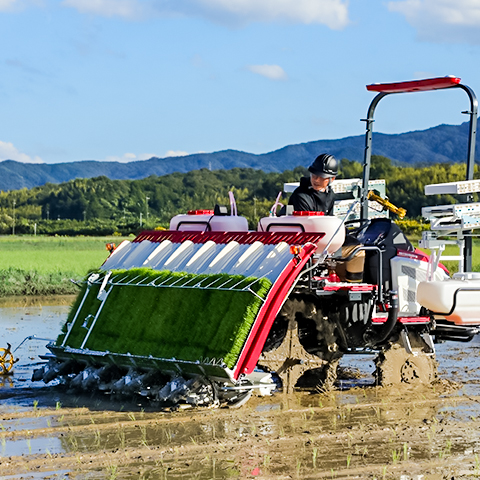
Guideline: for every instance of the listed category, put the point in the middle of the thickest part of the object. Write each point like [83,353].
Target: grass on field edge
[17,282]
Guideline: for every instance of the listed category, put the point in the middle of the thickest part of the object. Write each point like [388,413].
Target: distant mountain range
[444,143]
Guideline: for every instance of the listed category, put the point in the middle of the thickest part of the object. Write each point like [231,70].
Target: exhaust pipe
[455,333]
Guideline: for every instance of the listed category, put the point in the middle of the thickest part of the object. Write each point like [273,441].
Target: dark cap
[325,166]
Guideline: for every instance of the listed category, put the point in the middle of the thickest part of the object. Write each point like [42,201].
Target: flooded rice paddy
[358,431]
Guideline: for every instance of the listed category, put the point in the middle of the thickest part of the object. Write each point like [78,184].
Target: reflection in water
[31,446]
[6,381]
[37,301]
[29,318]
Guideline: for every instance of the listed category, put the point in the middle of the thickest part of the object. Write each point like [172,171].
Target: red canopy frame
[415,85]
[427,84]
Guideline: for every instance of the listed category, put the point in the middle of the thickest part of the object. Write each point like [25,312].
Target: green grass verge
[40,265]
[171,322]
[14,281]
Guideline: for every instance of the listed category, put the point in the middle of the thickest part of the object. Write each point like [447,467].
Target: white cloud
[332,13]
[133,157]
[272,72]
[442,20]
[128,157]
[128,9]
[175,153]
[9,152]
[7,4]
[18,5]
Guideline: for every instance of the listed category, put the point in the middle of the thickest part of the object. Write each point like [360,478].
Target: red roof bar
[415,85]
[243,238]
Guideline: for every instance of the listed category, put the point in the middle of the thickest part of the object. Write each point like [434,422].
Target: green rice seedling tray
[163,319]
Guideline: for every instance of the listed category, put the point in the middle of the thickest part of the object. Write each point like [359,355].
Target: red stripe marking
[403,320]
[352,288]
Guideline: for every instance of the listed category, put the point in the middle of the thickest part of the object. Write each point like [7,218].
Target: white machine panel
[453,188]
[458,216]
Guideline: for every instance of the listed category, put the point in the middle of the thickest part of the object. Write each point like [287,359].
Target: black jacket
[306,198]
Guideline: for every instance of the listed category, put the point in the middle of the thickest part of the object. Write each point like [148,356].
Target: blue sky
[125,80]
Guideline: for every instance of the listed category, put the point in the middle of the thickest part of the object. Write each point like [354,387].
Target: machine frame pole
[415,86]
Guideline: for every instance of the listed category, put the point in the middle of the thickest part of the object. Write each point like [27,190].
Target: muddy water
[27,324]
[358,431]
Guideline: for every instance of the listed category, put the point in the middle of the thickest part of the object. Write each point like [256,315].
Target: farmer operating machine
[208,312]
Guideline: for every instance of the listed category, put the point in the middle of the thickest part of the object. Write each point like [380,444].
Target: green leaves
[102,205]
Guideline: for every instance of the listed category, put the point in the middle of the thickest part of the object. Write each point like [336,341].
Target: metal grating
[409,271]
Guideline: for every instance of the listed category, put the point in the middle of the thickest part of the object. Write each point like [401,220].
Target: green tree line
[101,206]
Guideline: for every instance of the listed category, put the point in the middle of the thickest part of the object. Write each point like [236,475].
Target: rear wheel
[395,365]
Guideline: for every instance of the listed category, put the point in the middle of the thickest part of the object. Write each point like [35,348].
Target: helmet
[325,166]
